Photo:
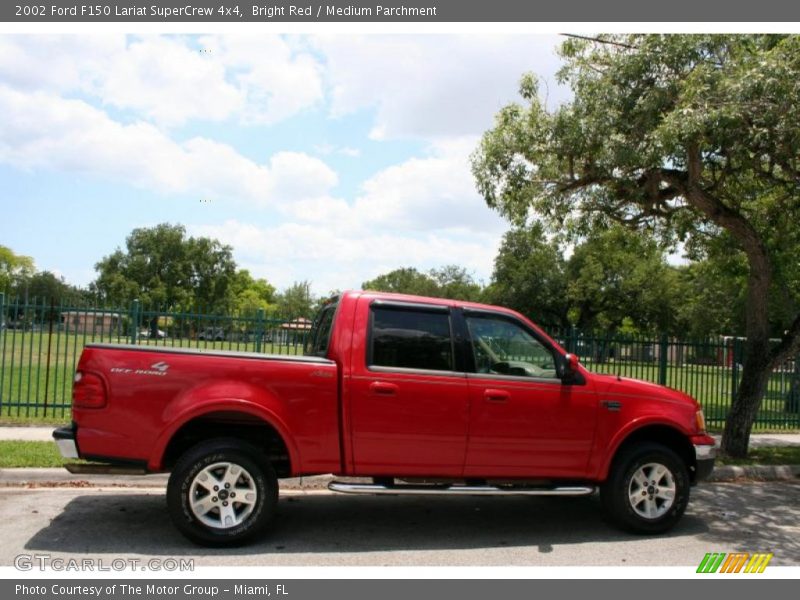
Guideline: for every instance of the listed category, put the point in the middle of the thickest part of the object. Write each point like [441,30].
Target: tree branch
[600,41]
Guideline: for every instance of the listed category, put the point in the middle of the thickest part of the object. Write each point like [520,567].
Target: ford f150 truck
[397,394]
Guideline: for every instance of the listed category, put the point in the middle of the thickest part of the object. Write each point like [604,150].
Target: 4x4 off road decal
[158,369]
[736,562]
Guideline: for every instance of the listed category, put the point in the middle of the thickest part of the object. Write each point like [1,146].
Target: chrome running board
[457,490]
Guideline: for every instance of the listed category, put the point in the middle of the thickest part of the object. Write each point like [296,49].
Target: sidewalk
[43,433]
[763,440]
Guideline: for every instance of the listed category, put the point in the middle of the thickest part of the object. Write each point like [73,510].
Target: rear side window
[411,339]
[320,335]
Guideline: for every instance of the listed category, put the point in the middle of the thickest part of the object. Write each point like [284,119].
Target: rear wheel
[647,490]
[222,493]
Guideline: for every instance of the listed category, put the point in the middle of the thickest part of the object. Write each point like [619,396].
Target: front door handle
[496,395]
[381,388]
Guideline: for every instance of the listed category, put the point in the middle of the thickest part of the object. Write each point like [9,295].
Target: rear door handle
[381,388]
[496,395]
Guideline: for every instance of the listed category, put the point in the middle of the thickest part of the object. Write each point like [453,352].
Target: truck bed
[154,391]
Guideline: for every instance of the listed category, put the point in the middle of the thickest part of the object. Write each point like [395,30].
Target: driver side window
[501,347]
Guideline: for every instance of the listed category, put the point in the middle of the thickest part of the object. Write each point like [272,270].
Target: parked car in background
[212,334]
[148,334]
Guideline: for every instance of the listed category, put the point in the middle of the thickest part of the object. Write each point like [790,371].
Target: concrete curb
[61,478]
[755,472]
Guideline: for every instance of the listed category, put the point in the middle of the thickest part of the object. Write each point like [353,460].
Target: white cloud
[167,81]
[436,191]
[418,86]
[327,149]
[41,131]
[333,259]
[277,77]
[432,86]
[58,63]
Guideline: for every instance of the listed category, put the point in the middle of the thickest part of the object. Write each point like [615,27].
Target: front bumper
[705,455]
[67,442]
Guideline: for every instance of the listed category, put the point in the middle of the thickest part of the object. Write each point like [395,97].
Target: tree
[612,277]
[13,267]
[250,295]
[455,282]
[692,137]
[406,280]
[45,286]
[617,275]
[164,268]
[530,276]
[713,292]
[296,301]
[449,281]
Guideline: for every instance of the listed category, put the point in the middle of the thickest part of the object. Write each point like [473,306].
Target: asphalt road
[325,529]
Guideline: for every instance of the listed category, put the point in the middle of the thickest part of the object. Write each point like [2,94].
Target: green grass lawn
[15,454]
[40,421]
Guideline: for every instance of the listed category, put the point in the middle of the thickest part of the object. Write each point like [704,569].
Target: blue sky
[323,158]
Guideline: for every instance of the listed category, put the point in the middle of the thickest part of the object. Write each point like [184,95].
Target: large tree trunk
[747,399]
[758,360]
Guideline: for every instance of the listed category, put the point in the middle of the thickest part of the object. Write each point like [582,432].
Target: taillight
[88,391]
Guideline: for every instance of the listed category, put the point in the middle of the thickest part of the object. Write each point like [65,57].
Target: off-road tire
[646,509]
[248,515]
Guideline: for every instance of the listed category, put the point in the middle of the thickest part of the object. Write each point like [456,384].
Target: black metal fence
[708,370]
[41,341]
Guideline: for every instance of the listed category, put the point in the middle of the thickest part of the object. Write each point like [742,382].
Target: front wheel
[647,490]
[222,493]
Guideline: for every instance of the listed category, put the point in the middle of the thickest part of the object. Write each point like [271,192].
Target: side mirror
[569,367]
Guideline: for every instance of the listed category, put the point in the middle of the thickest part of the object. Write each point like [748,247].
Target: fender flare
[626,432]
[196,410]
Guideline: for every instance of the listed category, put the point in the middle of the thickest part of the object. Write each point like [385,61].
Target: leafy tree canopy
[251,295]
[13,267]
[296,301]
[449,281]
[616,275]
[530,276]
[162,266]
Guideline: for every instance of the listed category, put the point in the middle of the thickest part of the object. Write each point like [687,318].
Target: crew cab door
[408,412]
[524,421]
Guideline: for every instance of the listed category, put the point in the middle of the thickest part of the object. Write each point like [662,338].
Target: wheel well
[242,426]
[667,436]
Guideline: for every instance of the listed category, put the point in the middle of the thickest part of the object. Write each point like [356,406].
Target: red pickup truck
[413,395]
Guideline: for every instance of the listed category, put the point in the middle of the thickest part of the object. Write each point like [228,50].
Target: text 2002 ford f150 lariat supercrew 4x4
[417,395]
